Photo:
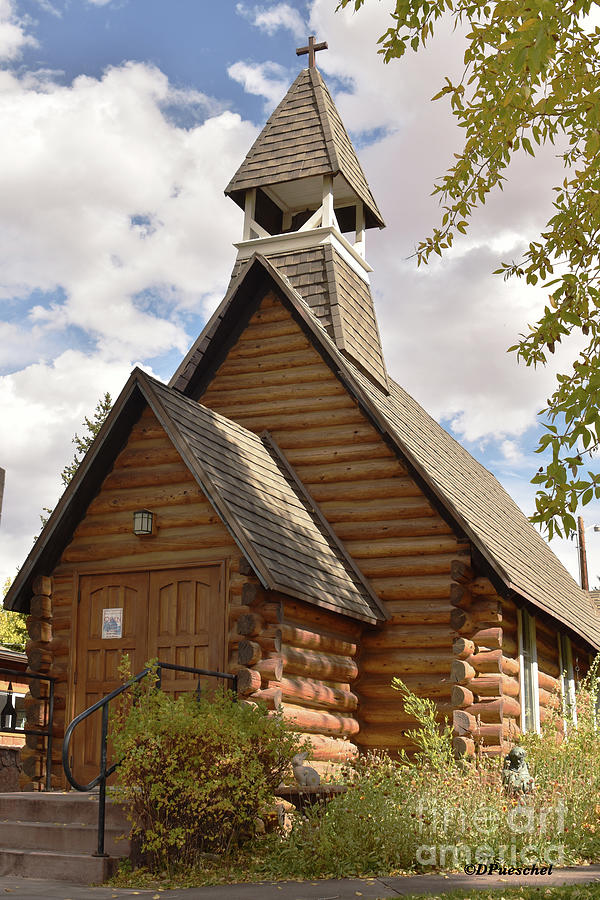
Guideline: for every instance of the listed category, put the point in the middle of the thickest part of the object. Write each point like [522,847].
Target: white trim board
[305,240]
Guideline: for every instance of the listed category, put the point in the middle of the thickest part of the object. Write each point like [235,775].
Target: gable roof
[304,136]
[472,496]
[253,493]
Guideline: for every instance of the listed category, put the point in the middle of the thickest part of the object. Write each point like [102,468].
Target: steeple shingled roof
[303,137]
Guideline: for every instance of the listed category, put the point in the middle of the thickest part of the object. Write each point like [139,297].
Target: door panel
[98,658]
[188,612]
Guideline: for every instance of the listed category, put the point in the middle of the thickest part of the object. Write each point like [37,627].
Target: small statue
[305,776]
[516,779]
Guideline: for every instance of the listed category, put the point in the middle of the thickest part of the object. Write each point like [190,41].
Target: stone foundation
[10,769]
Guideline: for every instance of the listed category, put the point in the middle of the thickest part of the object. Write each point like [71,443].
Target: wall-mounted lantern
[143,522]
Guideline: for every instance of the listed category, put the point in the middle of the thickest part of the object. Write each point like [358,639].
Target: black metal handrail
[47,732]
[102,704]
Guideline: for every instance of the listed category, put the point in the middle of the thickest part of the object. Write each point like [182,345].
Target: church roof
[594,596]
[304,137]
[254,491]
[478,504]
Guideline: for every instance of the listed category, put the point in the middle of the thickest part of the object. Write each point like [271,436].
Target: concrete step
[76,868]
[61,836]
[54,835]
[67,806]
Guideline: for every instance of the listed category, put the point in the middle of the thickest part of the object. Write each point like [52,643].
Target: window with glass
[567,678]
[530,698]
[9,701]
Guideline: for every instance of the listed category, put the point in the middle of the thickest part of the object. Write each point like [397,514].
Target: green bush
[365,831]
[195,774]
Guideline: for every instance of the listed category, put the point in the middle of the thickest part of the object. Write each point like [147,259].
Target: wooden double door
[174,615]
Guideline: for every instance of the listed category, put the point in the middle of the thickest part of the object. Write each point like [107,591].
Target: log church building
[284,510]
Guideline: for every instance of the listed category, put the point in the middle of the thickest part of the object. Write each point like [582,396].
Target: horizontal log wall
[148,473]
[274,379]
[300,660]
[512,683]
[485,669]
[549,682]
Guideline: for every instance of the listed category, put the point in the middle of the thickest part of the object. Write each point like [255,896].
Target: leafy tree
[531,76]
[83,443]
[13,633]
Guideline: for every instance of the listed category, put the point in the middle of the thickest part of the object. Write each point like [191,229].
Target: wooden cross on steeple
[311,50]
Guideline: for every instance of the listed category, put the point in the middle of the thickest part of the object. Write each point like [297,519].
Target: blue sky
[192,42]
[124,120]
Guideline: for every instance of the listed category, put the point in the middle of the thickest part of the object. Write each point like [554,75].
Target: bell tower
[307,206]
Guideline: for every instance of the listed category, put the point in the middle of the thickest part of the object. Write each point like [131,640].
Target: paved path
[344,889]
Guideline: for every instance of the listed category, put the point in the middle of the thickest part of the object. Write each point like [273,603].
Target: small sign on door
[112,623]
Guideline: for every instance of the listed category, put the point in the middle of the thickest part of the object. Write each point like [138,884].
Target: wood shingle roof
[304,136]
[257,499]
[488,514]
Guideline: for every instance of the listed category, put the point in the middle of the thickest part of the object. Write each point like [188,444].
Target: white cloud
[86,166]
[446,331]
[43,405]
[13,37]
[511,451]
[188,99]
[270,19]
[118,215]
[268,80]
[376,95]
[49,8]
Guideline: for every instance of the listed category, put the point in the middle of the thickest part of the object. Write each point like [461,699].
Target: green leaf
[532,77]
